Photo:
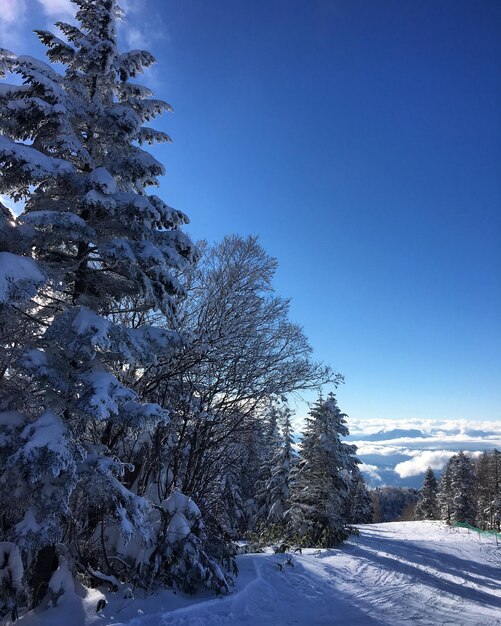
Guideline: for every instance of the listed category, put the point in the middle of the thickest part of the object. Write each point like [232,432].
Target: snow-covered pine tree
[271,441]
[19,278]
[320,482]
[274,491]
[495,474]
[484,491]
[444,495]
[283,462]
[488,490]
[70,146]
[427,507]
[360,506]
[456,494]
[463,487]
[12,587]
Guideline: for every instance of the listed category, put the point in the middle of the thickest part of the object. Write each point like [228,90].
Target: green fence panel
[495,533]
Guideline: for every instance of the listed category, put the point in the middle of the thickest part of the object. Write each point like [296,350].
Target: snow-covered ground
[394,573]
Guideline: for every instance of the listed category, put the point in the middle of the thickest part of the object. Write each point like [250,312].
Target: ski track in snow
[396,573]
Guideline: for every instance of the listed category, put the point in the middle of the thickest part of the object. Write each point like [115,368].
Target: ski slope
[392,574]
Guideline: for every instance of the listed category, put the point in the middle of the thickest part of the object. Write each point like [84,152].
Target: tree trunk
[46,563]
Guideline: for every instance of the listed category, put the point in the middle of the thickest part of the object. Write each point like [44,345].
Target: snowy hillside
[392,574]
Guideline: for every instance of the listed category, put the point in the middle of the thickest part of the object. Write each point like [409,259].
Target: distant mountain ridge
[394,433]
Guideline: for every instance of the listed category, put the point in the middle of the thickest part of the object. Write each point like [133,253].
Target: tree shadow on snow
[473,571]
[437,560]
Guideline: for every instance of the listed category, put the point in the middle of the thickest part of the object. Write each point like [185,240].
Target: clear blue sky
[361,140]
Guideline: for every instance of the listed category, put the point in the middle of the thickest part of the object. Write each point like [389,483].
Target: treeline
[469,491]
[144,423]
[393,503]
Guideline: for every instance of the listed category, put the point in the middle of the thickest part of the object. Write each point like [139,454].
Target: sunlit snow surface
[395,573]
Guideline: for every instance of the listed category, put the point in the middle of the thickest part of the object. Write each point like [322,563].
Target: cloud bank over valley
[397,453]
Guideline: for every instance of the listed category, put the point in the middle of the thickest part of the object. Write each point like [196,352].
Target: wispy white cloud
[371,426]
[369,448]
[436,459]
[14,16]
[142,26]
[135,37]
[423,433]
[12,19]
[11,10]
[59,9]
[371,470]
[456,442]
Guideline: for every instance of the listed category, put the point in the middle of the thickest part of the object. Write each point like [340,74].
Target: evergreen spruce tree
[427,507]
[495,475]
[463,489]
[274,490]
[320,482]
[488,490]
[484,491]
[272,441]
[444,495]
[89,236]
[283,462]
[360,506]
[456,496]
